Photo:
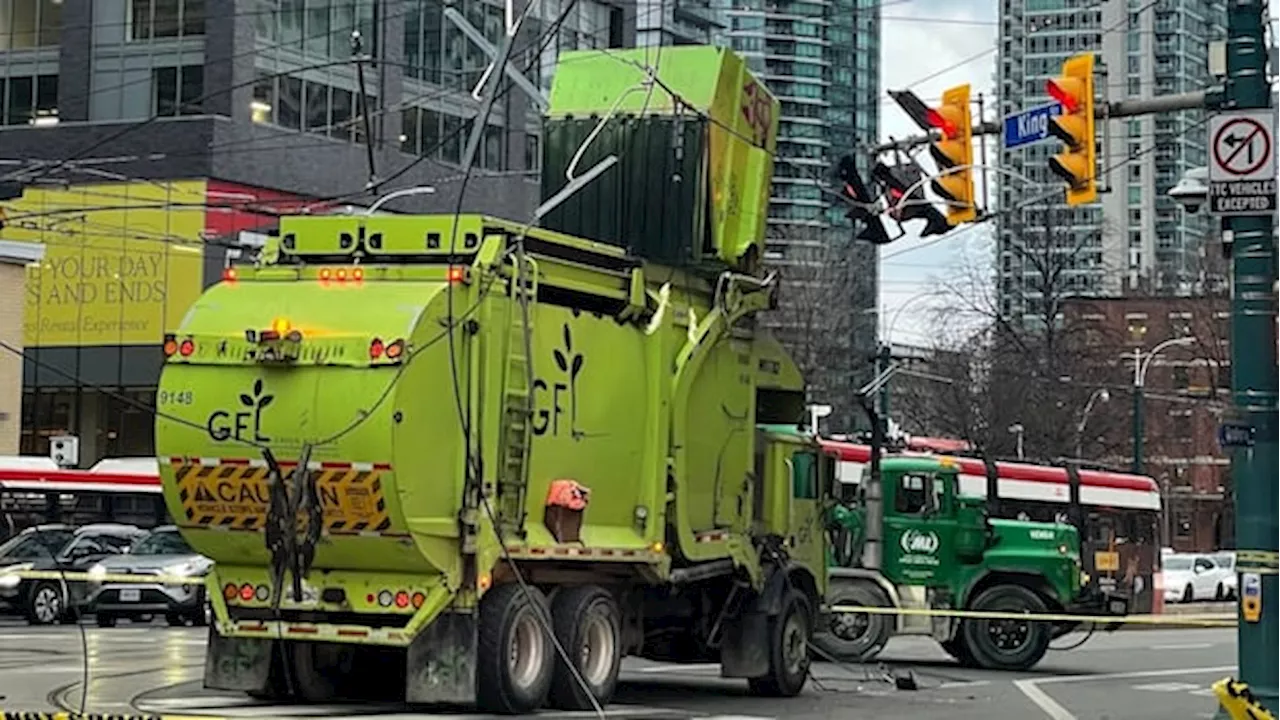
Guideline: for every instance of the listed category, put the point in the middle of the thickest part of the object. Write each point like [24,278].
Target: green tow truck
[940,550]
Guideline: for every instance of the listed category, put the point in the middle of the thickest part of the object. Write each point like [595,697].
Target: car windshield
[165,542]
[1225,561]
[1177,563]
[31,546]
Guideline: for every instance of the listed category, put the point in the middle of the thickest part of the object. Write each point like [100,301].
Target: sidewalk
[1211,610]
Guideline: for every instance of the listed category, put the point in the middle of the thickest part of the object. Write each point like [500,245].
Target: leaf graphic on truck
[569,363]
[243,425]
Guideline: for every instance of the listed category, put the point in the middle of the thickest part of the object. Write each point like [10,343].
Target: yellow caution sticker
[236,497]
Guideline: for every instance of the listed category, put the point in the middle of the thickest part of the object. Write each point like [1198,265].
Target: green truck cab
[940,550]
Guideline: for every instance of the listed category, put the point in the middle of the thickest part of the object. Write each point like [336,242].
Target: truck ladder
[517,396]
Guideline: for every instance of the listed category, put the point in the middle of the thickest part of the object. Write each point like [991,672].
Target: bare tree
[821,309]
[1004,378]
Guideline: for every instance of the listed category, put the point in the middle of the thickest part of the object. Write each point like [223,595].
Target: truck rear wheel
[789,636]
[515,656]
[855,637]
[319,669]
[1007,644]
[588,626]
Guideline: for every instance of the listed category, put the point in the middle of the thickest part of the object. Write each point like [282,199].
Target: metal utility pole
[1140,368]
[1253,376]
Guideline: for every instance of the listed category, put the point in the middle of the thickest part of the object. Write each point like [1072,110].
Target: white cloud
[920,38]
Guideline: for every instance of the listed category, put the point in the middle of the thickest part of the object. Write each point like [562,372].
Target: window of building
[150,19]
[26,99]
[1182,525]
[532,152]
[29,23]
[1181,377]
[177,90]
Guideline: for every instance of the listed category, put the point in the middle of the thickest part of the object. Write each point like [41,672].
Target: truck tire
[789,636]
[956,648]
[589,627]
[855,637]
[319,669]
[1007,644]
[515,657]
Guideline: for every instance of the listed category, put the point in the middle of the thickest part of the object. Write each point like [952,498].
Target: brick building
[1187,388]
[14,259]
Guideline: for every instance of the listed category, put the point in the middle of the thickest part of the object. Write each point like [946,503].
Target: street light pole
[1140,368]
[1253,371]
[1099,394]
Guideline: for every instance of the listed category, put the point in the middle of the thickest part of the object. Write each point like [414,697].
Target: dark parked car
[162,552]
[47,600]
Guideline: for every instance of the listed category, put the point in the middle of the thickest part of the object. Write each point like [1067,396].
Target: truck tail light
[418,599]
[170,345]
[376,348]
[187,347]
[395,350]
[402,599]
[246,592]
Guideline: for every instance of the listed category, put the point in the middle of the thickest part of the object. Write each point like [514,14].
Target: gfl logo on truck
[757,110]
[243,424]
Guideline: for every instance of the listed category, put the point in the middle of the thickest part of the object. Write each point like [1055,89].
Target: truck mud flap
[441,663]
[744,651]
[235,663]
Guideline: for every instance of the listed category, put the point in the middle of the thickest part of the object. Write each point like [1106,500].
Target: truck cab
[941,550]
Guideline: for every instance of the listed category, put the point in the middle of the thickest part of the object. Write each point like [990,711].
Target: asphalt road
[1130,675]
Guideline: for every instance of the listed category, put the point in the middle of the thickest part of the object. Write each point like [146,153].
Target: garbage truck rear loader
[458,460]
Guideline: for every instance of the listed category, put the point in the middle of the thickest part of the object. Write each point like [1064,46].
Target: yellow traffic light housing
[1078,164]
[954,152]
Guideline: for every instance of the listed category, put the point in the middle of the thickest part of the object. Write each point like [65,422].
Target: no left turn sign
[1242,163]
[1241,147]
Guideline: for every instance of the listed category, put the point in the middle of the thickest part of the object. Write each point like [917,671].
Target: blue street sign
[1235,435]
[1029,126]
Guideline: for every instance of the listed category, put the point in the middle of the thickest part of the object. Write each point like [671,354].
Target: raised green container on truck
[459,460]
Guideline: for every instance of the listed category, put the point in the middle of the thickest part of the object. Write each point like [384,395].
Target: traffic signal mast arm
[1118,109]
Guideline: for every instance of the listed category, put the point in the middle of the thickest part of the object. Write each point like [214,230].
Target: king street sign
[1028,126]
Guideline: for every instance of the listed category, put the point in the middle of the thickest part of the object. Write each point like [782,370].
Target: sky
[956,40]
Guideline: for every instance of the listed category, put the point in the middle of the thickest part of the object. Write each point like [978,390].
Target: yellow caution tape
[1204,620]
[1238,702]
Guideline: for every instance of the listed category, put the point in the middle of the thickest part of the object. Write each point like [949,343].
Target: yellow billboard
[123,261]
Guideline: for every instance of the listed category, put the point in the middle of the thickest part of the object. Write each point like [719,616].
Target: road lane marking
[1055,711]
[1183,646]
[1042,700]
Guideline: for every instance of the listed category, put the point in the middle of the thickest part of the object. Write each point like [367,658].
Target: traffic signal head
[954,153]
[861,211]
[1074,126]
[897,180]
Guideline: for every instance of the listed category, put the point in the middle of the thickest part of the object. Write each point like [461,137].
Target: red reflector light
[376,349]
[395,349]
[357,274]
[457,274]
[418,599]
[187,348]
[342,275]
[325,273]
[229,274]
[402,599]
[246,592]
